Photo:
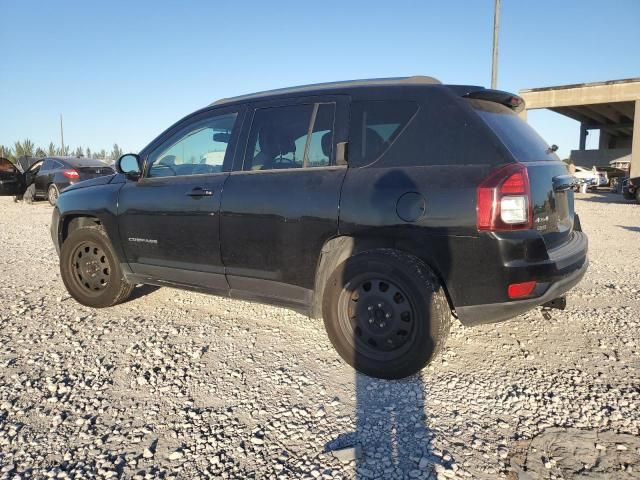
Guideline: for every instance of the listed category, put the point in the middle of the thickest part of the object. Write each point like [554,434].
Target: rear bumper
[564,270]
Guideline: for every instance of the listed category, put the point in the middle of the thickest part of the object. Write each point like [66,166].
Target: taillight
[504,200]
[71,173]
[519,290]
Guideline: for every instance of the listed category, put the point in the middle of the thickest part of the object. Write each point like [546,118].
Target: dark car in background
[47,177]
[631,189]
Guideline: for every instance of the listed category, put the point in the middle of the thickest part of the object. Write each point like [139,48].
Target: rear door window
[292,136]
[521,140]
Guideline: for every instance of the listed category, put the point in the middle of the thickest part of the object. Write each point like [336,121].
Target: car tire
[386,313]
[637,195]
[29,195]
[52,194]
[90,269]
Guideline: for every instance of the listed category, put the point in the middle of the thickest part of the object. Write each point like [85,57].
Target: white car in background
[591,178]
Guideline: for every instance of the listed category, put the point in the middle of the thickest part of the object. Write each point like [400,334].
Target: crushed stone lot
[174,384]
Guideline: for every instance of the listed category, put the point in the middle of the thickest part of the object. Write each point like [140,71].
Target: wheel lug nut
[370,307]
[388,315]
[379,305]
[371,320]
[382,324]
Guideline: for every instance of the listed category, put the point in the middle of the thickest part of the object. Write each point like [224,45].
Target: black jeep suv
[381,206]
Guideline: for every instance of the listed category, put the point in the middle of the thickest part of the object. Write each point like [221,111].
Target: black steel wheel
[376,316]
[90,269]
[385,313]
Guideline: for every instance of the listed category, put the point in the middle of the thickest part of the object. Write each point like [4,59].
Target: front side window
[199,149]
[294,136]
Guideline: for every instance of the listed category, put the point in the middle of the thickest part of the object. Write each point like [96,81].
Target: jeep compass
[383,206]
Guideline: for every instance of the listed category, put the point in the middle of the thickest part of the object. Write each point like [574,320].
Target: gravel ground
[174,384]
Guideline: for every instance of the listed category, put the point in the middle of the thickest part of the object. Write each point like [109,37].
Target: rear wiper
[551,149]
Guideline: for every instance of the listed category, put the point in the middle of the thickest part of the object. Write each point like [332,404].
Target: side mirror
[130,165]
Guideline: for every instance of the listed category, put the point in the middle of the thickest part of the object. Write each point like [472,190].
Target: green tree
[116,153]
[79,152]
[51,149]
[40,152]
[88,153]
[24,148]
[6,152]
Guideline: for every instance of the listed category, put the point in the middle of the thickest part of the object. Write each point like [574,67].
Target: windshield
[523,142]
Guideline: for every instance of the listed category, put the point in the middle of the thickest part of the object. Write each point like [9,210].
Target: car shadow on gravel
[605,197]
[631,229]
[142,291]
[392,438]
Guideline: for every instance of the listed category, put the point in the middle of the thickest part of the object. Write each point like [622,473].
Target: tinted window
[375,125]
[198,149]
[47,165]
[279,137]
[523,142]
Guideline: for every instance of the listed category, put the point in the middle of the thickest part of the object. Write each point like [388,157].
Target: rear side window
[374,127]
[521,140]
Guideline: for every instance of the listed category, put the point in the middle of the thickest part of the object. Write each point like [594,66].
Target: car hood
[90,183]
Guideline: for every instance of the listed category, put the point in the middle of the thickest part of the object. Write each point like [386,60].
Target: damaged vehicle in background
[631,189]
[46,178]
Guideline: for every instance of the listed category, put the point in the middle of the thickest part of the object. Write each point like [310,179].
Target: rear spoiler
[514,102]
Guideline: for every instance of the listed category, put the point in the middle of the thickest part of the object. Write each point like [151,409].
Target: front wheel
[386,313]
[90,269]
[52,194]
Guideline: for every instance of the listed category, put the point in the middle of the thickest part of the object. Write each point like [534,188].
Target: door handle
[200,192]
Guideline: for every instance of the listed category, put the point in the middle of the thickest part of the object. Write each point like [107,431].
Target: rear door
[168,220]
[280,203]
[552,195]
[11,179]
[44,176]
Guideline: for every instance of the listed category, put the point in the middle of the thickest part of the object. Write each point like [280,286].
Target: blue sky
[123,71]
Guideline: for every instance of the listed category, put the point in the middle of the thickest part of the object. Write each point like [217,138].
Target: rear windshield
[88,162]
[523,142]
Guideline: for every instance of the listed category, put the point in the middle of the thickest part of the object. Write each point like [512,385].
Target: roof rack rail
[413,80]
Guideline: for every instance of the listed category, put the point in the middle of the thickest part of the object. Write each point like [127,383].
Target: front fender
[98,201]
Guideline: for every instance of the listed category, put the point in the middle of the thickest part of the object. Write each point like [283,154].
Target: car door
[43,176]
[280,204]
[11,179]
[168,219]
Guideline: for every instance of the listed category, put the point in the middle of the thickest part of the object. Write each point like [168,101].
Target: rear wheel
[638,195]
[90,270]
[386,313]
[52,194]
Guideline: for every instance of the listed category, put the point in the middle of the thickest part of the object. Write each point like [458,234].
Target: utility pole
[496,32]
[61,136]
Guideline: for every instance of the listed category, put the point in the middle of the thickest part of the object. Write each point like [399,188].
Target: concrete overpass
[611,107]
